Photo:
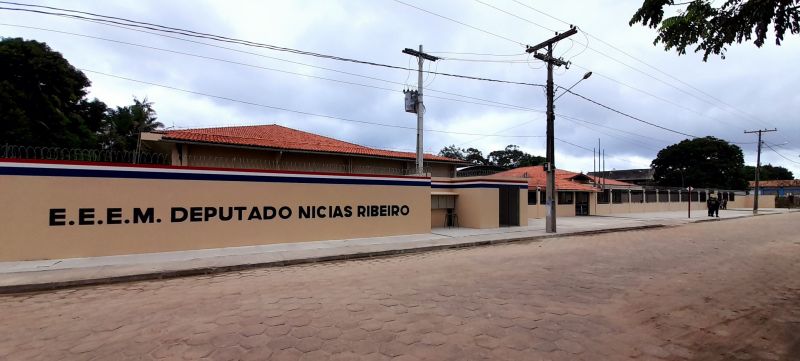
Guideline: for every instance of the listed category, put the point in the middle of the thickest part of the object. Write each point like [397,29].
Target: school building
[281,148]
[780,188]
[244,186]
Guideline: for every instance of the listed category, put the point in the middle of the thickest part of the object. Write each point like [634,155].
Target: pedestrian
[717,204]
[710,204]
[725,204]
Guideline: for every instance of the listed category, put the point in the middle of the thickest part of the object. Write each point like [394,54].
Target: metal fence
[476,173]
[83,155]
[128,157]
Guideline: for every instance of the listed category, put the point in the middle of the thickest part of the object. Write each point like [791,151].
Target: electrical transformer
[412,97]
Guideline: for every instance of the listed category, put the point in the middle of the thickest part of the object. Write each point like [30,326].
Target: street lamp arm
[585,76]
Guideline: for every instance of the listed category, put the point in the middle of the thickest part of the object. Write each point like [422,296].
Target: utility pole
[550,166]
[758,163]
[420,107]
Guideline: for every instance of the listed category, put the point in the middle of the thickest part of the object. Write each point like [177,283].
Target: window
[531,198]
[684,197]
[542,197]
[566,197]
[663,196]
[604,196]
[733,197]
[703,196]
[695,196]
[673,196]
[650,196]
[443,201]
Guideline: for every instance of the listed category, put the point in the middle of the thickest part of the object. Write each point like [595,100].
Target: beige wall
[523,207]
[28,201]
[764,201]
[437,217]
[480,207]
[539,211]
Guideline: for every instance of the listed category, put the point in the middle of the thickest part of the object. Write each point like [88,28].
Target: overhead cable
[161,28]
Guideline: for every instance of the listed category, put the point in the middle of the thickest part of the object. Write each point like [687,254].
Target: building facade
[274,147]
[780,188]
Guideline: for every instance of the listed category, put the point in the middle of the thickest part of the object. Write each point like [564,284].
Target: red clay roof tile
[777,183]
[279,137]
[537,177]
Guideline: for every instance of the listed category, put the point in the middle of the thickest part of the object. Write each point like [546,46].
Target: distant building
[635,176]
[281,148]
[780,188]
[575,191]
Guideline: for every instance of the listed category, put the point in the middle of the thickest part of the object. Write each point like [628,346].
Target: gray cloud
[379,30]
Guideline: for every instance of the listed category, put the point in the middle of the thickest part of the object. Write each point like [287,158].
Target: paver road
[711,291]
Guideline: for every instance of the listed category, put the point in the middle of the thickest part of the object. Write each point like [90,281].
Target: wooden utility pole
[420,109]
[758,163]
[550,166]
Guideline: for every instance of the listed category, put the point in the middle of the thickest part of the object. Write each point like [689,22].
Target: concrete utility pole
[550,166]
[758,163]
[420,106]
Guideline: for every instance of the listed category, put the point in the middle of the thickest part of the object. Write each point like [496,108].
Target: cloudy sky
[752,88]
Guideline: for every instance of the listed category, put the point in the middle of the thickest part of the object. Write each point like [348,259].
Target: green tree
[475,156]
[768,172]
[453,152]
[714,28]
[701,163]
[513,157]
[125,124]
[42,98]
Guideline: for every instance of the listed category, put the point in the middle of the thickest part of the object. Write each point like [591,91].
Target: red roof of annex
[274,136]
[777,183]
[537,177]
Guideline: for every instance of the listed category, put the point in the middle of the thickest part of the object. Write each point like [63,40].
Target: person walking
[717,204]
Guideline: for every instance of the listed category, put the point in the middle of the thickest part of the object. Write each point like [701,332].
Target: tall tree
[701,163]
[714,28]
[453,152]
[768,172]
[475,156]
[42,98]
[125,124]
[513,157]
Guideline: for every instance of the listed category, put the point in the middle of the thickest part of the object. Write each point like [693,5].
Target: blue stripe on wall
[107,173]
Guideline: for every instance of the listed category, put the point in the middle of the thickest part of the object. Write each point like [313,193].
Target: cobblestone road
[710,291]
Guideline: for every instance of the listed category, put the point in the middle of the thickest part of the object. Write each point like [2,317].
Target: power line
[132,23]
[293,110]
[461,23]
[781,155]
[546,28]
[592,150]
[283,49]
[503,105]
[700,91]
[498,104]
[478,54]
[630,116]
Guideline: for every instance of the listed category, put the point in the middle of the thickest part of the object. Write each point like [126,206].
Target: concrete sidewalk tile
[50,274]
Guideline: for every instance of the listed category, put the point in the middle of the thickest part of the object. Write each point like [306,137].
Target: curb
[200,271]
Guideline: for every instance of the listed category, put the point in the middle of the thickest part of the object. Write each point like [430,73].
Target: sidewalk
[51,274]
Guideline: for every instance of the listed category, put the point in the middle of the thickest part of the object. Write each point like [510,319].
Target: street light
[550,166]
[585,76]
